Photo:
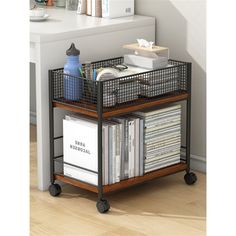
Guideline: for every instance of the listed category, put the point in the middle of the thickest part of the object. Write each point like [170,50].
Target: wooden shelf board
[140,104]
[143,104]
[81,110]
[127,182]
[141,179]
[76,183]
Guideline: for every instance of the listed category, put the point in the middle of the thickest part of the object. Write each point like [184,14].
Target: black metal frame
[188,118]
[100,119]
[100,123]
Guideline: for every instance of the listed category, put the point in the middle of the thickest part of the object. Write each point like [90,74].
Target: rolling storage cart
[115,97]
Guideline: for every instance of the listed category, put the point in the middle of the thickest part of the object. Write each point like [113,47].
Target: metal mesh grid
[128,89]
[73,90]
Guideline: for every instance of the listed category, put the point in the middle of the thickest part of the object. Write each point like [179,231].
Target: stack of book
[122,149]
[162,137]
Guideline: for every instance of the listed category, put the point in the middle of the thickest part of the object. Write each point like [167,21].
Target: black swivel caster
[54,190]
[103,206]
[190,178]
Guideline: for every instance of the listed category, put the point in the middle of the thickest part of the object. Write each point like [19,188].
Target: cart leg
[102,204]
[188,134]
[54,189]
[190,177]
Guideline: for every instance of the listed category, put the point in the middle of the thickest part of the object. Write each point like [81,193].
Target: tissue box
[117,8]
[146,62]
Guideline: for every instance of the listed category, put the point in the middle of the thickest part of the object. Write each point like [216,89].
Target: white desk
[97,38]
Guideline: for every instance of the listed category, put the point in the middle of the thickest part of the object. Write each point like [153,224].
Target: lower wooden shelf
[127,182]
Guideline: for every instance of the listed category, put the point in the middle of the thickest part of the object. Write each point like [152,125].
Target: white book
[110,155]
[118,150]
[163,148]
[106,153]
[164,163]
[114,153]
[82,5]
[136,147]
[131,148]
[105,8]
[169,159]
[161,122]
[80,143]
[141,150]
[80,149]
[80,174]
[163,136]
[163,116]
[126,157]
[150,113]
[159,157]
[122,150]
[89,7]
[156,128]
[162,143]
[122,146]
[97,8]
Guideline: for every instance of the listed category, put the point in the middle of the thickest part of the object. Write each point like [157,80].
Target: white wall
[181,26]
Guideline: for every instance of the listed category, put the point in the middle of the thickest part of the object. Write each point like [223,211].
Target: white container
[82,4]
[72,5]
[60,3]
[37,12]
[146,62]
[80,148]
[117,8]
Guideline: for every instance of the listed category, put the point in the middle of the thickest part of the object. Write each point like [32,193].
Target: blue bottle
[73,86]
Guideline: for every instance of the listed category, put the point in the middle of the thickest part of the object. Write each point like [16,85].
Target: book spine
[110,155]
[97,8]
[114,153]
[132,149]
[118,153]
[89,7]
[82,7]
[137,147]
[106,154]
[126,144]
[141,152]
[122,150]
[105,8]
[129,148]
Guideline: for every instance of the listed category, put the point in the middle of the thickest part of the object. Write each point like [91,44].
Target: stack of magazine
[162,137]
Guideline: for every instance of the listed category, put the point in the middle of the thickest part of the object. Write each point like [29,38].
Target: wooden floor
[163,207]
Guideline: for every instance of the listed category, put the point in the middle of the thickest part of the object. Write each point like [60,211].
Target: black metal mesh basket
[172,79]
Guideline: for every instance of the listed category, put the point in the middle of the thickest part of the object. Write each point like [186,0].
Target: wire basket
[127,89]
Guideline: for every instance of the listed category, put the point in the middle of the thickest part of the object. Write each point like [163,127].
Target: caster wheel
[190,178]
[103,206]
[54,190]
